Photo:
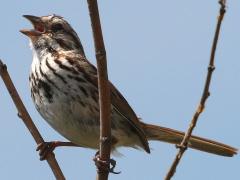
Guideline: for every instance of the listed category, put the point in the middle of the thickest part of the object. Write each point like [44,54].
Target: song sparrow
[65,92]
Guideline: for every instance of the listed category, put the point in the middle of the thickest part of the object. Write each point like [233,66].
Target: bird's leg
[46,148]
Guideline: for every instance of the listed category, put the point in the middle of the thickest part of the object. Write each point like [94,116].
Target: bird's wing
[117,100]
[122,106]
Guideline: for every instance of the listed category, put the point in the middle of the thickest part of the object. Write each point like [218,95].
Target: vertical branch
[23,114]
[103,86]
[183,146]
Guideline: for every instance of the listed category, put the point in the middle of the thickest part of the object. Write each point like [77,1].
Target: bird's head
[54,31]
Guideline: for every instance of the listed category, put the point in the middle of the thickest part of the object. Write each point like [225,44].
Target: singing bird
[64,89]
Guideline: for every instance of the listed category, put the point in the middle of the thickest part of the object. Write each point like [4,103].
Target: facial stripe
[76,40]
[64,44]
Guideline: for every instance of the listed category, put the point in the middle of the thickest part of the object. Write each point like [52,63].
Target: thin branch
[183,146]
[104,96]
[24,115]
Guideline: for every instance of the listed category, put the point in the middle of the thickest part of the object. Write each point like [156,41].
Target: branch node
[208,94]
[200,108]
[211,68]
[100,54]
[106,140]
[222,9]
[19,115]
[222,3]
[181,146]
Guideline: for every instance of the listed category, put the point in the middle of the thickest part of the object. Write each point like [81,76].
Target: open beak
[38,25]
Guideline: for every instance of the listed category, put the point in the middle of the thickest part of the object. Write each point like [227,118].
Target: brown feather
[168,135]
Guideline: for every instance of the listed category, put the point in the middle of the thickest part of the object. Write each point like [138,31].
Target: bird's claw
[104,166]
[45,149]
[113,164]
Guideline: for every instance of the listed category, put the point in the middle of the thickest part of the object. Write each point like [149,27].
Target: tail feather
[175,137]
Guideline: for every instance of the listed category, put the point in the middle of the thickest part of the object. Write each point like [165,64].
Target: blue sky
[158,53]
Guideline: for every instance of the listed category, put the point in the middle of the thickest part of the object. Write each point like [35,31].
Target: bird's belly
[80,124]
[77,119]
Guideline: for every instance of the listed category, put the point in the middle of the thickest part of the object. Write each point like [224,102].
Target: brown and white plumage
[65,92]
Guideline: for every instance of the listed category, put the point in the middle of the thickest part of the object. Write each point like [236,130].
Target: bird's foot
[46,148]
[104,166]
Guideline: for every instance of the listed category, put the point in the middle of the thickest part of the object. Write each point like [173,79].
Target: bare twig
[23,114]
[183,146]
[104,96]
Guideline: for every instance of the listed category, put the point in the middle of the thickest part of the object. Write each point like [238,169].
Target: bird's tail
[158,133]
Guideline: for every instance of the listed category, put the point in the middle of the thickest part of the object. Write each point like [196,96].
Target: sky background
[158,53]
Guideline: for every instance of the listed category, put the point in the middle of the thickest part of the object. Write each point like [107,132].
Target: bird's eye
[57,27]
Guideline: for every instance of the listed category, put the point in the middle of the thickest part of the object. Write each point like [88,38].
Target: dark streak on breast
[77,78]
[54,72]
[46,77]
[47,90]
[67,68]
[83,90]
